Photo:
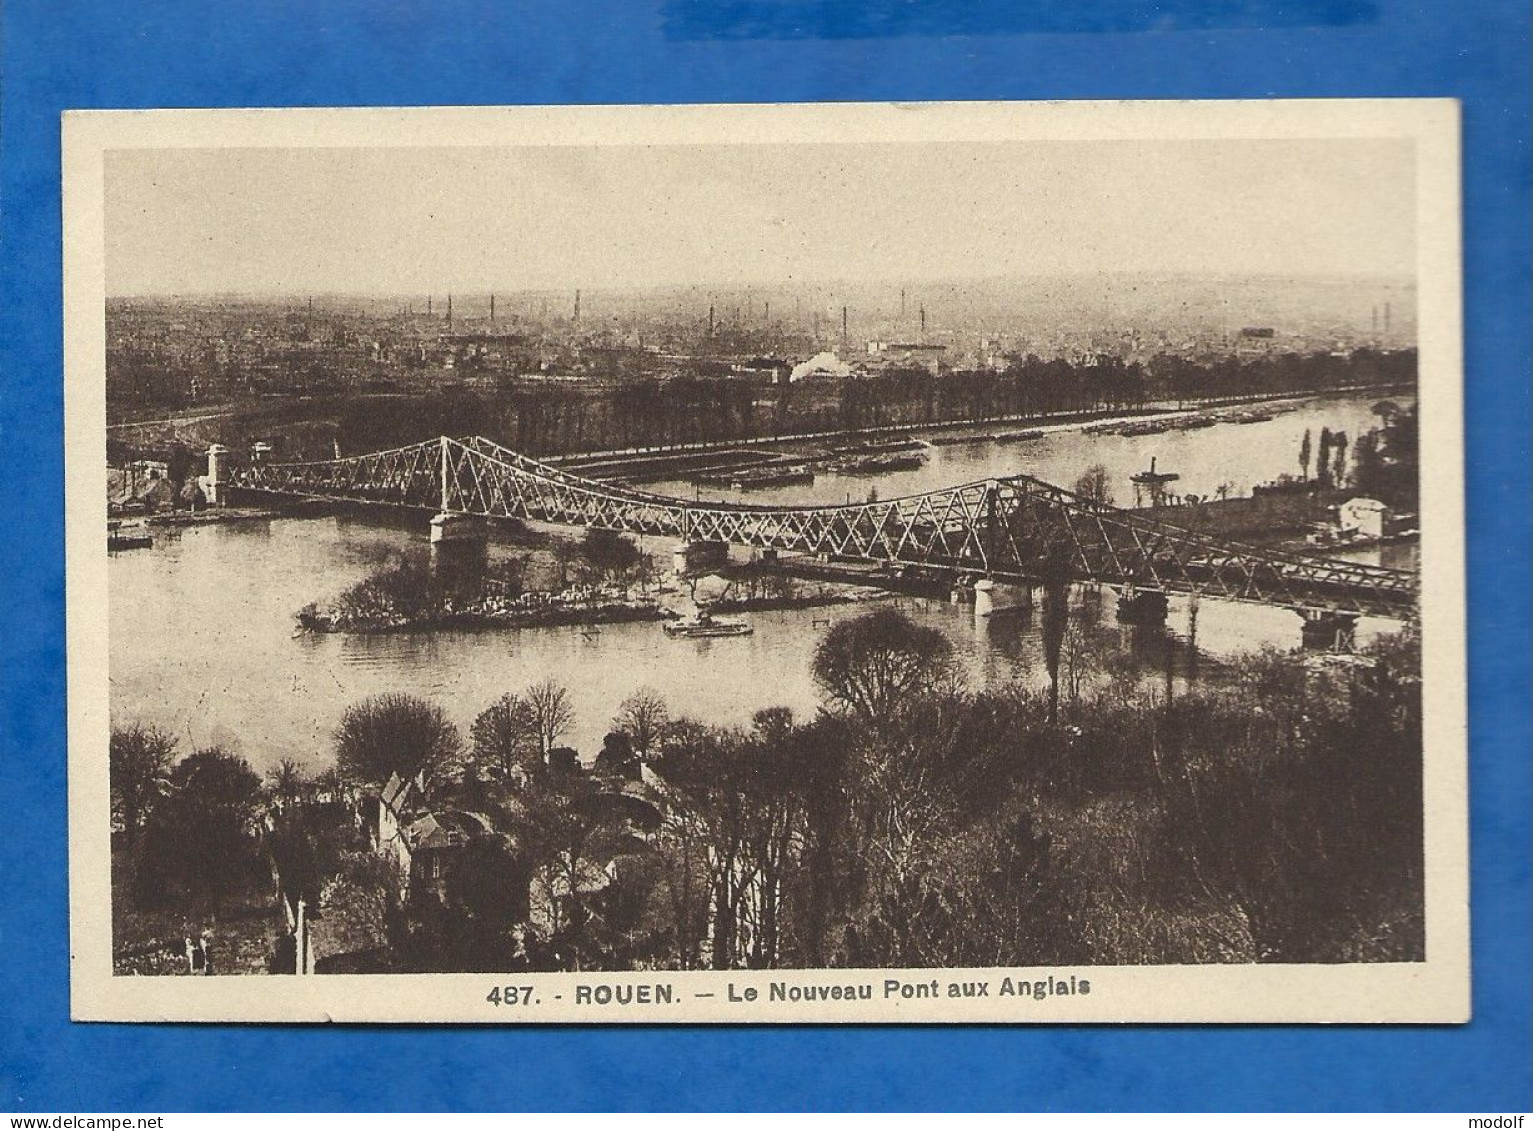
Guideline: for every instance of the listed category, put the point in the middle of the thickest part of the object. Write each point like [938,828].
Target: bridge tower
[215,487]
[984,587]
[695,556]
[458,541]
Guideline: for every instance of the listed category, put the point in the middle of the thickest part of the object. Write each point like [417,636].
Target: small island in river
[601,579]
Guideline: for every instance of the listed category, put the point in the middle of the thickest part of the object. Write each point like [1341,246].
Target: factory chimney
[577,308]
[710,319]
[845,339]
[492,308]
[923,321]
[449,310]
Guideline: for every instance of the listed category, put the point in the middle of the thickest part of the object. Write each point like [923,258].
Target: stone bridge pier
[984,597]
[451,527]
[989,596]
[459,548]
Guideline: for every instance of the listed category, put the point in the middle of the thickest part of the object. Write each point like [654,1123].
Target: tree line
[912,821]
[1382,463]
[548,419]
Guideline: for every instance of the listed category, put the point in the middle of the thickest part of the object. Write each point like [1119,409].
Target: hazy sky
[432,220]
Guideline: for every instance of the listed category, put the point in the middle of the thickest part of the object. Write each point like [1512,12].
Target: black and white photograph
[967,562]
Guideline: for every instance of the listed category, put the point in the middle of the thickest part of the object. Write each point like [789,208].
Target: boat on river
[877,465]
[127,536]
[773,476]
[948,441]
[704,625]
[1143,428]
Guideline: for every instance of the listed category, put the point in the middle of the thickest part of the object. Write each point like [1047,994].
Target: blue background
[62,54]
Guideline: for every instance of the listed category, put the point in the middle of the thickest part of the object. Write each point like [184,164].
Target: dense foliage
[1274,817]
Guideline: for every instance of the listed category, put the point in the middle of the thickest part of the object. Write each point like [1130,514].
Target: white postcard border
[1436,990]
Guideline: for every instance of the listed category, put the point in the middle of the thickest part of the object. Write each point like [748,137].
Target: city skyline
[397,222]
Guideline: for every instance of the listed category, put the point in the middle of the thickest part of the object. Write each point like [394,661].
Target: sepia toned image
[942,563]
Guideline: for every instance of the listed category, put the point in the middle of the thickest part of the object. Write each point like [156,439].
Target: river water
[203,644]
[1237,455]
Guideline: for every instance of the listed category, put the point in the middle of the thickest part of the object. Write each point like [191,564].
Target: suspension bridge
[1013,530]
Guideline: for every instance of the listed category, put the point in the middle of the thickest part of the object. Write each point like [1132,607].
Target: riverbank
[646,465]
[296,508]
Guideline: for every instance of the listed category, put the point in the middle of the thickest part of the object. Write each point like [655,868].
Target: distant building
[825,364]
[773,369]
[1256,341]
[1362,518]
[924,354]
[433,842]
[393,805]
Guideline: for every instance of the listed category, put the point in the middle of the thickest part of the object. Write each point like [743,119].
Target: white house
[1362,518]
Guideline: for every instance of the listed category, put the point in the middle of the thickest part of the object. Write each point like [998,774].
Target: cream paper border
[1436,990]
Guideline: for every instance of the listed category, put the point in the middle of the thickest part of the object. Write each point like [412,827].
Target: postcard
[980,562]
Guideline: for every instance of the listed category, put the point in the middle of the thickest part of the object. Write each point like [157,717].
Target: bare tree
[1095,485]
[552,712]
[505,738]
[361,899]
[397,734]
[642,717]
[875,663]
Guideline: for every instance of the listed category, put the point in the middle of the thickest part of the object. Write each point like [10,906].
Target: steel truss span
[1016,529]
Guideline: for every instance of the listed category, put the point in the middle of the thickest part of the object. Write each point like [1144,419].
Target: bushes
[1274,817]
[394,594]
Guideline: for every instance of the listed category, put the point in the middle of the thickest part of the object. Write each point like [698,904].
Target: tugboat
[1150,486]
[704,625]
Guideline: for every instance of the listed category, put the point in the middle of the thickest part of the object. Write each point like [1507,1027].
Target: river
[203,644]
[1238,456]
